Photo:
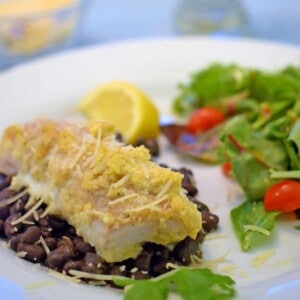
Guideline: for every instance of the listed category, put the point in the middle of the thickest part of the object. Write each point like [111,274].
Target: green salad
[258,138]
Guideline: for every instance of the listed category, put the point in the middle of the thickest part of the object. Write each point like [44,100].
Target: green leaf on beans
[147,290]
[188,283]
[252,213]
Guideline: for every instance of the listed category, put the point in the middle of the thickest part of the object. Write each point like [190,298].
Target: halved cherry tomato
[283,196]
[204,119]
[226,168]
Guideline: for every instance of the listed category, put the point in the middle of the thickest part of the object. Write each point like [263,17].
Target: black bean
[164,166]
[4,181]
[70,231]
[91,263]
[51,243]
[46,231]
[9,229]
[140,275]
[158,251]
[58,257]
[25,198]
[4,213]
[159,267]
[190,188]
[31,235]
[44,222]
[143,261]
[188,181]
[185,171]
[184,249]
[118,270]
[200,206]
[56,223]
[209,221]
[159,256]
[33,252]
[14,241]
[6,193]
[72,265]
[119,137]
[81,246]
[17,207]
[66,242]
[1,227]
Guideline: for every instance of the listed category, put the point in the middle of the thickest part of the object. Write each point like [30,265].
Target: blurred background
[34,28]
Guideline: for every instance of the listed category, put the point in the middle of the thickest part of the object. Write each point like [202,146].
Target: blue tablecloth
[106,20]
[110,20]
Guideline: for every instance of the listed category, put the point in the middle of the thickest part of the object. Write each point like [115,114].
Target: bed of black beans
[69,251]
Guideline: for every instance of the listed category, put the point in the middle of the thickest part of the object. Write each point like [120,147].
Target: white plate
[53,86]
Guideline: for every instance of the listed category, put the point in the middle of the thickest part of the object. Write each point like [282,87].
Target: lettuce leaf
[252,213]
[188,283]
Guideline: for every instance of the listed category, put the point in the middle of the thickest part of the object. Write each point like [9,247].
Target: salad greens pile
[260,138]
[189,283]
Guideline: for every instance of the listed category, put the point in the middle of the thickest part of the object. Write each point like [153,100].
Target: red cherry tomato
[226,168]
[204,119]
[283,196]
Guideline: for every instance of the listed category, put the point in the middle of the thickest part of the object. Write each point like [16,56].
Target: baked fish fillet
[114,196]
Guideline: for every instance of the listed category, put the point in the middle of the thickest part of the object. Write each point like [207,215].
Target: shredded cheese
[212,264]
[150,205]
[212,237]
[120,182]
[88,162]
[21,254]
[31,200]
[44,245]
[78,170]
[121,199]
[164,189]
[13,199]
[101,277]
[28,222]
[98,143]
[96,283]
[35,215]
[63,277]
[262,258]
[146,172]
[29,213]
[45,212]
[257,229]
[229,269]
[77,157]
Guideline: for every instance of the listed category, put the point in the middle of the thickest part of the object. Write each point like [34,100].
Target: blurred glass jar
[211,16]
[31,27]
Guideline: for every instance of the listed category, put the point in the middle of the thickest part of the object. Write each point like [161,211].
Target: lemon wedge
[125,106]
